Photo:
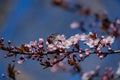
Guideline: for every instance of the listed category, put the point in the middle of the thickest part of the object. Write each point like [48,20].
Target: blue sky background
[27,20]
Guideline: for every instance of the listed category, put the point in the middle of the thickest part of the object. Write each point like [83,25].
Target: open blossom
[73,39]
[107,40]
[68,44]
[92,40]
[91,43]
[110,39]
[51,47]
[61,37]
[83,37]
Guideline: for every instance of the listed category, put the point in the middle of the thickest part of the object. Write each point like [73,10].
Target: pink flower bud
[74,25]
[41,40]
[3,75]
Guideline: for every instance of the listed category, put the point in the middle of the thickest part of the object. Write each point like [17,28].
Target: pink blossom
[87,75]
[92,43]
[21,59]
[32,44]
[68,43]
[51,47]
[61,37]
[74,25]
[73,39]
[40,46]
[18,71]
[83,37]
[98,67]
[118,70]
[110,39]
[101,56]
[87,51]
[107,40]
[61,63]
[41,40]
[3,75]
[54,68]
[81,55]
[61,42]
[118,21]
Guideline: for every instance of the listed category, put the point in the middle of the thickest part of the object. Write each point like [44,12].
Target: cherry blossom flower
[118,70]
[91,40]
[51,47]
[54,68]
[92,43]
[68,44]
[41,40]
[58,66]
[87,75]
[32,44]
[87,51]
[108,40]
[74,25]
[118,21]
[73,40]
[21,59]
[80,55]
[3,75]
[61,37]
[83,37]
[101,56]
[17,71]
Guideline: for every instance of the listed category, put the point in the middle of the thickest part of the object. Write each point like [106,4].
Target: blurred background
[22,21]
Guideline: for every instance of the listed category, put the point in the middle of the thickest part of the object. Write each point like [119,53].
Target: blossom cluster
[58,49]
[59,44]
[91,40]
